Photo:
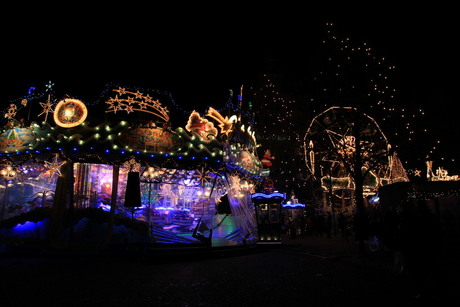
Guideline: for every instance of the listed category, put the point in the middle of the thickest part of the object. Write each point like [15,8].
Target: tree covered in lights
[350,74]
[343,143]
[277,127]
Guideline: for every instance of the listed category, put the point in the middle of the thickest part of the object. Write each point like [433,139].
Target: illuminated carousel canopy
[126,155]
[129,123]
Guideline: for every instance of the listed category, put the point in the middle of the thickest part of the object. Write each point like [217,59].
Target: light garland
[353,74]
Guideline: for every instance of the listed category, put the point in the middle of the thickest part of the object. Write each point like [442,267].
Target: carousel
[121,170]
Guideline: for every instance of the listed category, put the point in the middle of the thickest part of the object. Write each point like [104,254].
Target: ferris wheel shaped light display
[335,135]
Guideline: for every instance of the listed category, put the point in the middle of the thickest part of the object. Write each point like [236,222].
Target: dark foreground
[312,271]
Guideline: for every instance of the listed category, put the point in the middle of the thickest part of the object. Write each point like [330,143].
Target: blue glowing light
[272,195]
[289,205]
[26,227]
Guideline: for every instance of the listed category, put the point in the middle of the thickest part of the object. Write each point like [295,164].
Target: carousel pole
[8,173]
[113,203]
[70,198]
[5,191]
[62,202]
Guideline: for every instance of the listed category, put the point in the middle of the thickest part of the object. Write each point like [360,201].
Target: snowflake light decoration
[202,176]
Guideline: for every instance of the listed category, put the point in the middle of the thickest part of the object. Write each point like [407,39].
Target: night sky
[204,51]
[199,53]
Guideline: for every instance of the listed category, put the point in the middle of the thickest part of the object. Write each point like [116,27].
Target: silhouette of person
[420,246]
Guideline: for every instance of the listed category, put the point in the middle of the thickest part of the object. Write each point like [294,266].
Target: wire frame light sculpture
[336,136]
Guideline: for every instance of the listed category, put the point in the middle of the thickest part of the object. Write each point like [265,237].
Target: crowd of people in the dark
[411,231]
[320,224]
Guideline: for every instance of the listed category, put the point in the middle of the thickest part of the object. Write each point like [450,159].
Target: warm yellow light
[70,113]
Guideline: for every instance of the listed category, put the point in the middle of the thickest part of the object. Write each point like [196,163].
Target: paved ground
[311,271]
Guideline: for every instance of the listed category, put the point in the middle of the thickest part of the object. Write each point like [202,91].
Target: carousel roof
[125,124]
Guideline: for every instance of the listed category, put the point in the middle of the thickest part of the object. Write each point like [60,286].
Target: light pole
[8,173]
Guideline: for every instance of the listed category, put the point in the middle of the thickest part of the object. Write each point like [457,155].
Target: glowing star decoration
[136,101]
[201,127]
[47,108]
[225,123]
[70,112]
[54,167]
[49,86]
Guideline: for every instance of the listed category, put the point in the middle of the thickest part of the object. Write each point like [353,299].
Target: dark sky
[199,52]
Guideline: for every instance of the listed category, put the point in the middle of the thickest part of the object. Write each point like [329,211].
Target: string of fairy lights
[348,73]
[276,124]
[345,73]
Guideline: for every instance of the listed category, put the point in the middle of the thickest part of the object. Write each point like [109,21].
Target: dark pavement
[309,271]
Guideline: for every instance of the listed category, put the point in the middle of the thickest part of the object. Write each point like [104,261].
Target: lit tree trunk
[360,215]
